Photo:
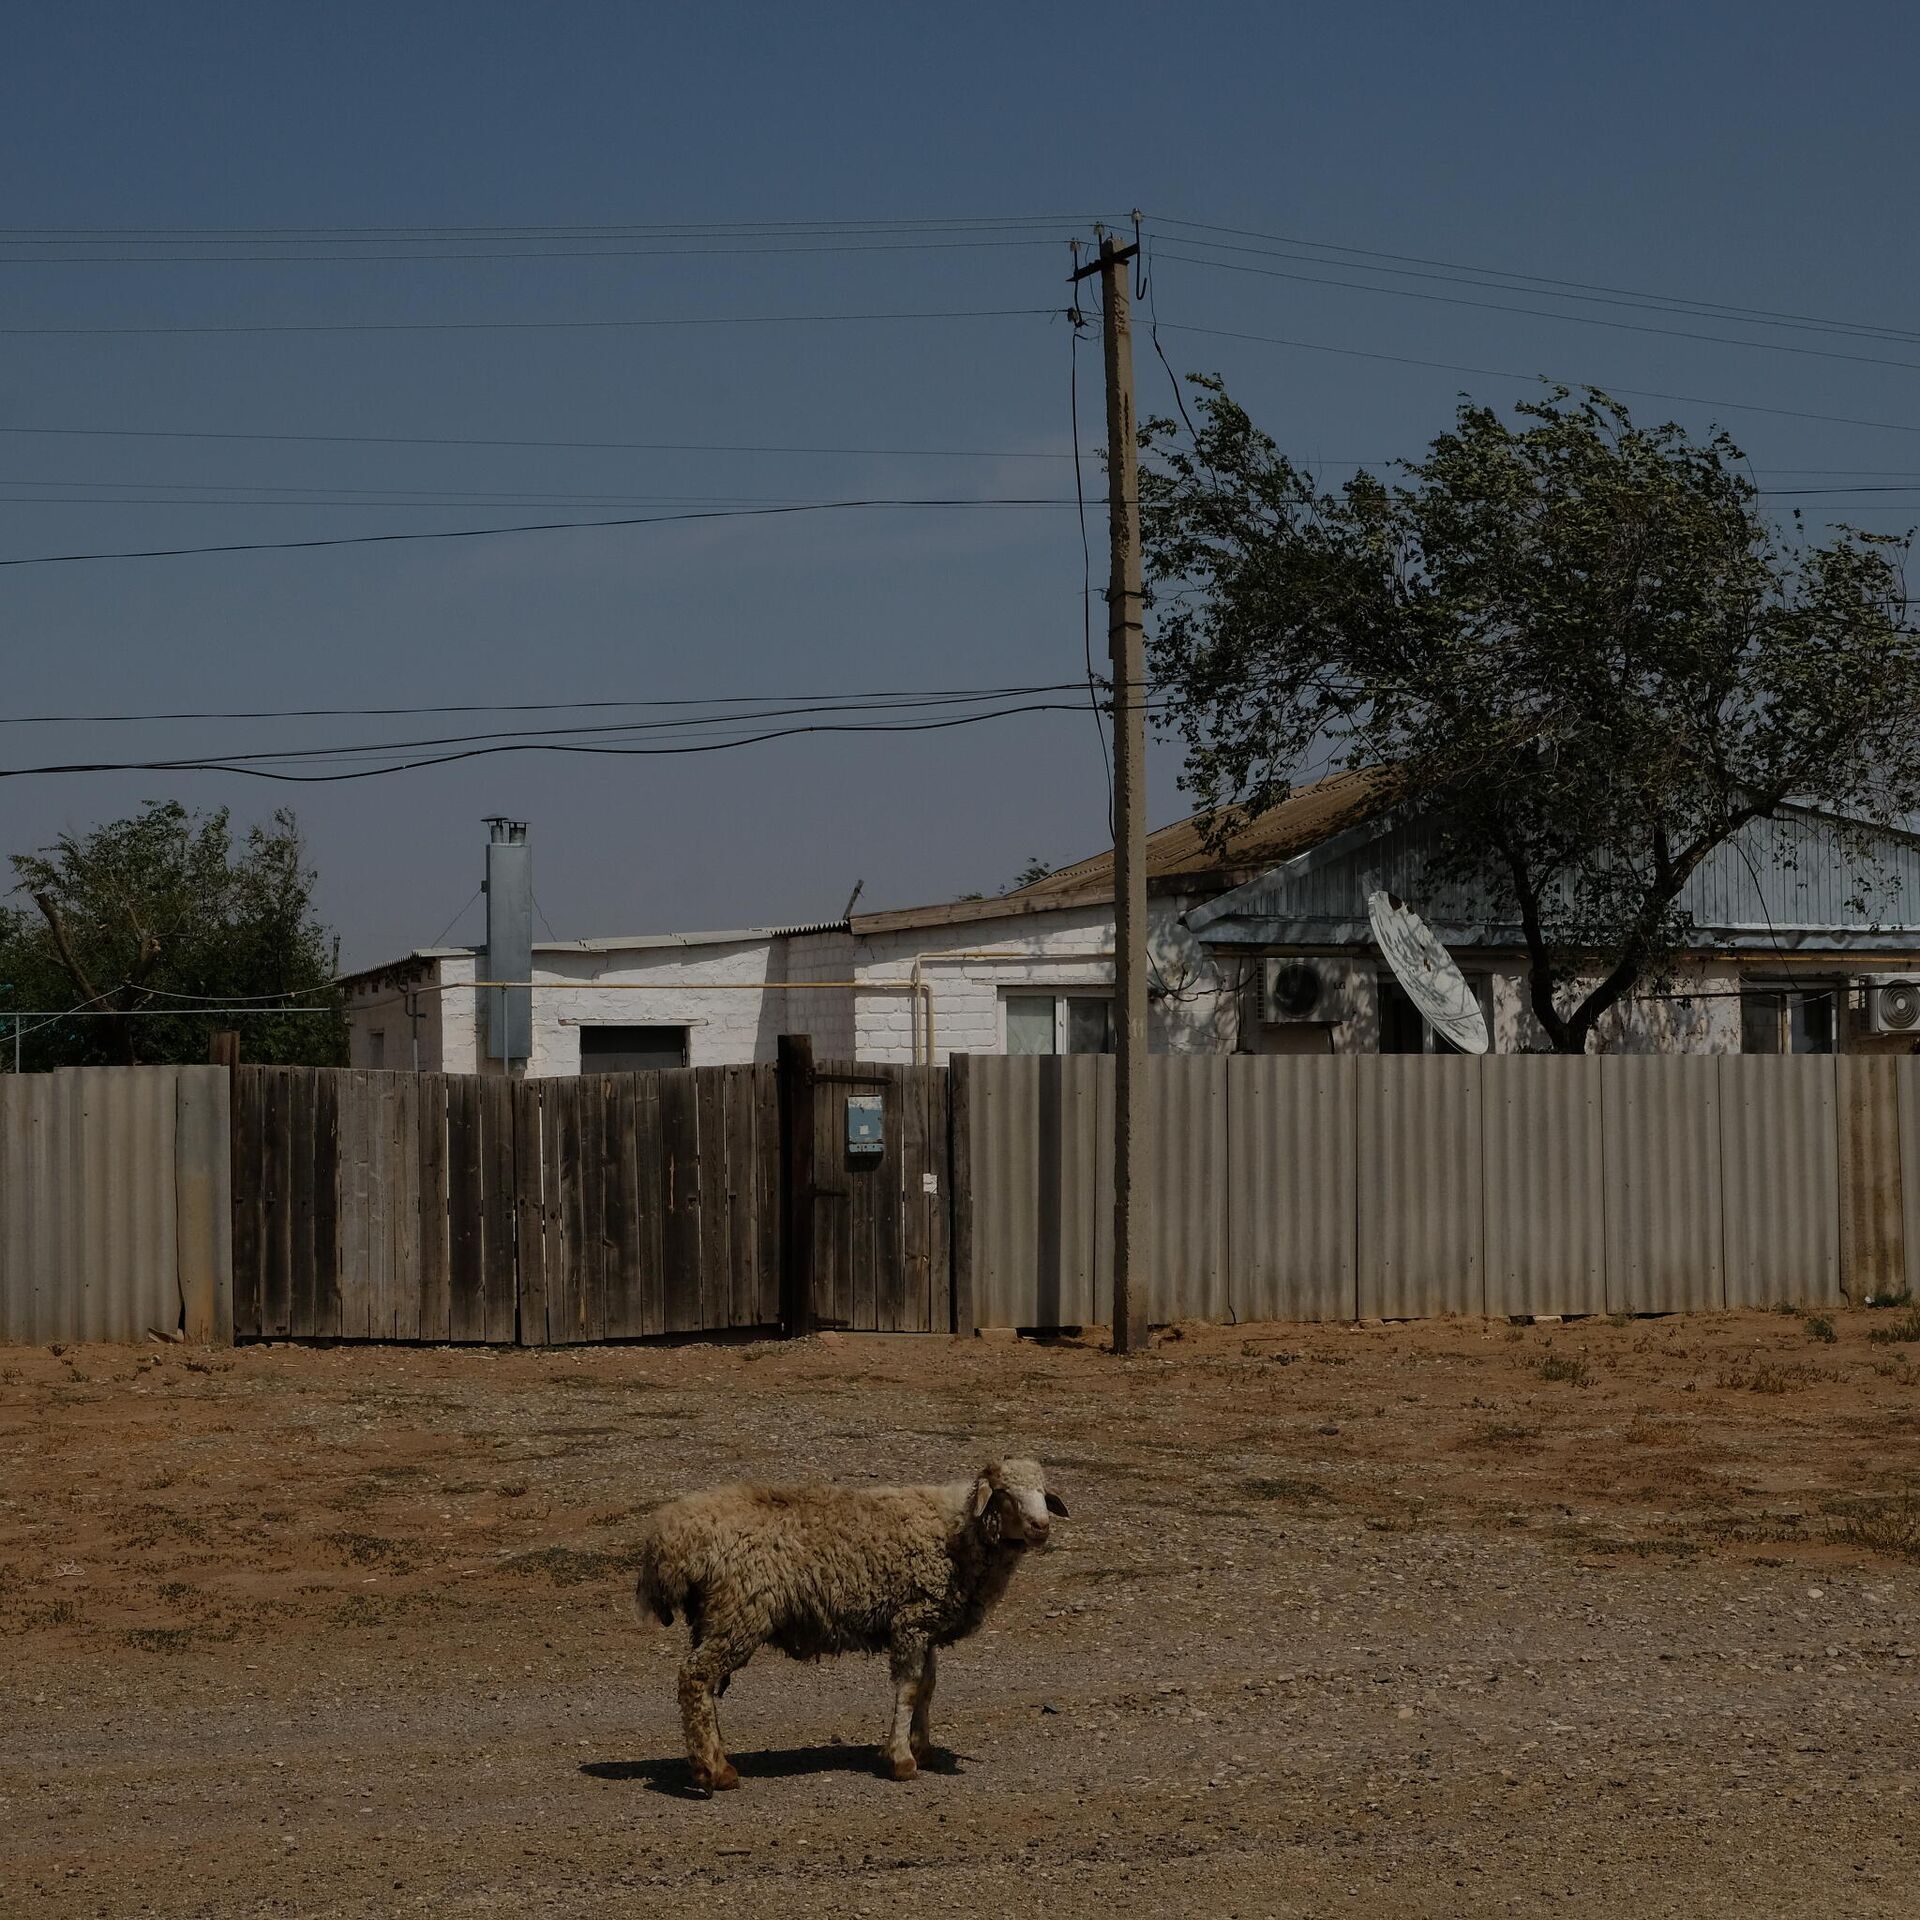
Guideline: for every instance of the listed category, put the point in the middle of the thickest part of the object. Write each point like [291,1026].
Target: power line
[1577,288]
[533,326]
[487,533]
[428,503]
[336,258]
[452,440]
[681,722]
[621,229]
[1543,313]
[214,764]
[1509,373]
[861,697]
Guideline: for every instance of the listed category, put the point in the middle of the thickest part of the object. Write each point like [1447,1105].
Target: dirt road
[1447,1619]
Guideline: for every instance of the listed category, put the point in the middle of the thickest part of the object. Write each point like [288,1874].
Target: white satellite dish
[1426,969]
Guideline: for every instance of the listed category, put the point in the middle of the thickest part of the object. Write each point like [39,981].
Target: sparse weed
[569,1566]
[372,1550]
[1904,1329]
[1511,1434]
[1888,1525]
[1894,1297]
[1292,1492]
[1820,1327]
[1766,1378]
[1568,1367]
[1656,1549]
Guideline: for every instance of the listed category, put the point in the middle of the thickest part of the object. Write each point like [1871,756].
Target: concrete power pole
[1127,650]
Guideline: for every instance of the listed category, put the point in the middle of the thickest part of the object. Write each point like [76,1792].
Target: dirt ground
[1420,1620]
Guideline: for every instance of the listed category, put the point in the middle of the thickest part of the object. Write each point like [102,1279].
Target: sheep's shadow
[674,1778]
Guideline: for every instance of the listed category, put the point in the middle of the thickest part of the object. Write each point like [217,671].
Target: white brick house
[1783,948]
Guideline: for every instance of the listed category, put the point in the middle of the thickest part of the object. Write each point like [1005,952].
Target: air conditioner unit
[1893,1004]
[1304,990]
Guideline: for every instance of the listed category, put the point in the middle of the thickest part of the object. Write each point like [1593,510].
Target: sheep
[814,1570]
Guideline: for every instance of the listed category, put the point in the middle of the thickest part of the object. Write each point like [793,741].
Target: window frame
[1062,997]
[1790,997]
[1480,979]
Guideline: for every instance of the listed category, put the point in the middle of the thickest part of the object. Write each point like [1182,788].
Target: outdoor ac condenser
[1893,1004]
[1296,990]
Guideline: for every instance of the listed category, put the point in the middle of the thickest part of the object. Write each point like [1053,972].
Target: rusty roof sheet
[1177,856]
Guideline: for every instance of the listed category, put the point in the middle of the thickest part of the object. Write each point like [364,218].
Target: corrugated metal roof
[1178,856]
[1791,883]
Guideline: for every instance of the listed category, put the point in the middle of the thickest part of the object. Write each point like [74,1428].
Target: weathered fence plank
[436,1212]
[680,1180]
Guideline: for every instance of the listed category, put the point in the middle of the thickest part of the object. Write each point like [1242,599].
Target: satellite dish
[1426,969]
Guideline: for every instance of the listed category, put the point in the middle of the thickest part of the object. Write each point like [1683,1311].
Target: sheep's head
[1012,1506]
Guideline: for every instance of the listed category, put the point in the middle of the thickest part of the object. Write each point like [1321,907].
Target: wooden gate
[651,1204]
[881,1227]
[439,1207]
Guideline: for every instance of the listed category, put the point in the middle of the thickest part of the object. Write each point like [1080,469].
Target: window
[1089,1025]
[1059,1023]
[1030,1023]
[631,1049]
[377,1047]
[1782,1019]
[1402,1030]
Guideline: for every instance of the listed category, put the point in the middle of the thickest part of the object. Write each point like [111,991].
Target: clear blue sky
[1755,155]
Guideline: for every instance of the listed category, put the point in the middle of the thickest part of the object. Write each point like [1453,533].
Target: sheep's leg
[911,1659]
[706,1673]
[922,1737]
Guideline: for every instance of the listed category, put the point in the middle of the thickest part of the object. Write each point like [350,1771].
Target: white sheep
[818,1569]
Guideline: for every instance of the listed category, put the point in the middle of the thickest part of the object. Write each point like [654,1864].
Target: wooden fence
[436,1207]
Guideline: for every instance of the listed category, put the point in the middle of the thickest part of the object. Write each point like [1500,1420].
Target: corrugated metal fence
[114,1204]
[1403,1187]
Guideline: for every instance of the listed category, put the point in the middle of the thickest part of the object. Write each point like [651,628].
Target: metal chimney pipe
[509,956]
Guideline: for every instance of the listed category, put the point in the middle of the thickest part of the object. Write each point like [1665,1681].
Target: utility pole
[1127,650]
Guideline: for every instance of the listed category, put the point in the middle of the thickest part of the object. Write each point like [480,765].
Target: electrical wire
[603,730]
[458,917]
[1509,373]
[488,533]
[1575,289]
[590,446]
[627,229]
[1543,313]
[860,698]
[531,326]
[216,764]
[510,252]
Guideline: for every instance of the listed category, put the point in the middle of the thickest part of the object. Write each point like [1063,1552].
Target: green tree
[1579,645]
[164,909]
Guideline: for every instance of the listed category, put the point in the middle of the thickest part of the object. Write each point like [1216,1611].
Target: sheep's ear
[1055,1505]
[983,1491]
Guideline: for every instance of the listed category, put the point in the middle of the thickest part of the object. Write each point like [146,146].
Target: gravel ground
[1417,1620]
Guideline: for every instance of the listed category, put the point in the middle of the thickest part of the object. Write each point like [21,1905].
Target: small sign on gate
[865,1115]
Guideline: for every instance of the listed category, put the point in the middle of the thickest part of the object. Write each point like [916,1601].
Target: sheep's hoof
[901,1766]
[706,1781]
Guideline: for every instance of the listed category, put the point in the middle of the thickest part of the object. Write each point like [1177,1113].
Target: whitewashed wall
[970,969]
